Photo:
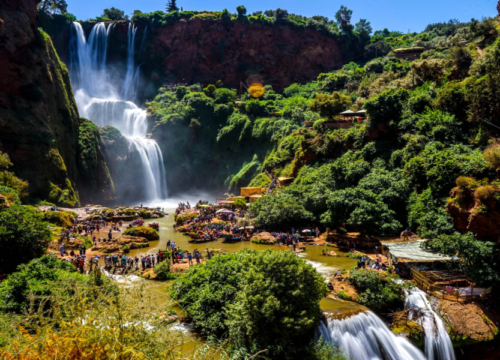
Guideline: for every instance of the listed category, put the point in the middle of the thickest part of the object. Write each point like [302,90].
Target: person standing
[190,259]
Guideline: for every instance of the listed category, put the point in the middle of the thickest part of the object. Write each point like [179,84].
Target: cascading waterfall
[128,89]
[438,344]
[99,101]
[365,337]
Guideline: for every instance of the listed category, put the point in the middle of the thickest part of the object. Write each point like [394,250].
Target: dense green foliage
[38,279]
[377,291]
[266,299]
[478,259]
[24,235]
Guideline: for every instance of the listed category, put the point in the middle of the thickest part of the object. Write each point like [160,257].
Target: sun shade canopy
[412,251]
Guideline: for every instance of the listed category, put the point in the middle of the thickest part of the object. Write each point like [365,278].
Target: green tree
[53,6]
[172,6]
[330,105]
[265,299]
[377,291]
[343,17]
[114,14]
[162,270]
[476,258]
[242,11]
[23,236]
[240,203]
[279,210]
[278,301]
[362,209]
[363,29]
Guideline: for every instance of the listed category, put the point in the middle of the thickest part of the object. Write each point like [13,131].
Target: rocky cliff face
[39,122]
[206,51]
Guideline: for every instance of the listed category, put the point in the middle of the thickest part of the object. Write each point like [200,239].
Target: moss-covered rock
[96,183]
[60,218]
[143,231]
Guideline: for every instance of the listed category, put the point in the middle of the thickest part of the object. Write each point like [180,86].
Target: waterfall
[365,337]
[128,89]
[437,342]
[99,101]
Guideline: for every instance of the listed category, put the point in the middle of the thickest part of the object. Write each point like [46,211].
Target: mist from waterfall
[365,337]
[100,101]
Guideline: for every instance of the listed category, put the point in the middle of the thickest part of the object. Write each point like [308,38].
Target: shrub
[129,212]
[180,219]
[126,249]
[377,291]
[343,295]
[485,193]
[36,277]
[10,194]
[61,218]
[330,105]
[143,231]
[492,156]
[268,299]
[145,215]
[162,270]
[23,236]
[467,183]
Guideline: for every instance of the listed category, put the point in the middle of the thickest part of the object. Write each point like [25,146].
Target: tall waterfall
[100,101]
[365,337]
[438,344]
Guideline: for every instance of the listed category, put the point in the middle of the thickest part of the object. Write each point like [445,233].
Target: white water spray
[438,344]
[365,337]
[99,101]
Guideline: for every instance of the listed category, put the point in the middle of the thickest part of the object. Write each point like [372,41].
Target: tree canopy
[114,14]
[172,6]
[262,299]
[24,235]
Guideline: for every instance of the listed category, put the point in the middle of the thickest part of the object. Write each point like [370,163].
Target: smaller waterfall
[438,344]
[365,337]
[154,183]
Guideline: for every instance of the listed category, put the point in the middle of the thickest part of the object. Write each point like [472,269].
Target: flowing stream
[102,102]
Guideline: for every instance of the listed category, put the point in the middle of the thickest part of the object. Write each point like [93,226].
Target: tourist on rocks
[190,259]
[197,257]
[62,250]
[143,262]
[124,261]
[208,255]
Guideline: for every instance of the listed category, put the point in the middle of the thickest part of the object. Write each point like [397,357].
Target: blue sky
[401,15]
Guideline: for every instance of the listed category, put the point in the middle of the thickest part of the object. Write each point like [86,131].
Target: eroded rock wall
[39,121]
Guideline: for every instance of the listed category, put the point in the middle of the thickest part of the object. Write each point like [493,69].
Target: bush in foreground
[263,300]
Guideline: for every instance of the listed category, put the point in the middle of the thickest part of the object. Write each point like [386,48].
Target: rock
[264,238]
[330,253]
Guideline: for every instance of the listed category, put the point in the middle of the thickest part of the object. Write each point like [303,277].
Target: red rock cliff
[206,51]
